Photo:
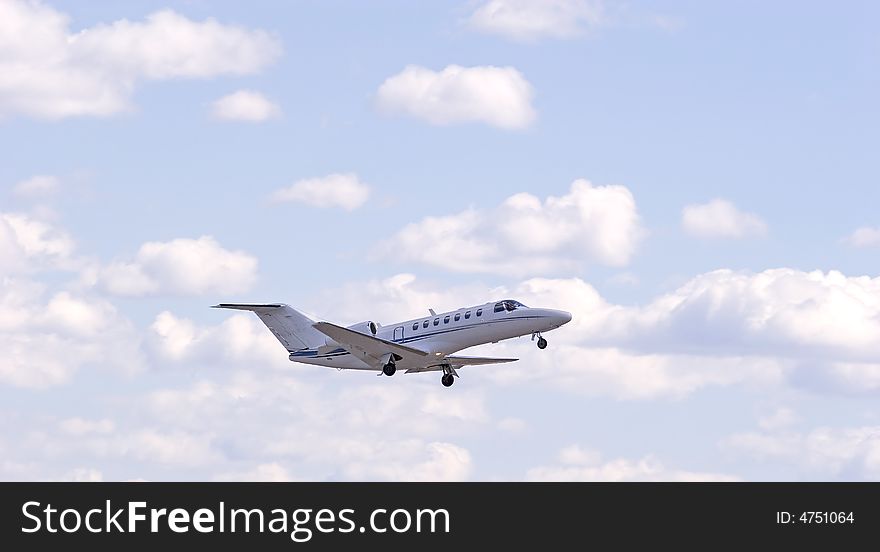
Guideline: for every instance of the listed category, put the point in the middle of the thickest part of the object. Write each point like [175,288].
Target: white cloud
[498,96]
[27,243]
[624,375]
[444,462]
[721,328]
[291,422]
[784,312]
[525,235]
[49,71]
[842,452]
[45,342]
[271,472]
[578,464]
[36,186]
[344,191]
[866,236]
[240,338]
[88,475]
[534,19]
[721,219]
[245,105]
[181,267]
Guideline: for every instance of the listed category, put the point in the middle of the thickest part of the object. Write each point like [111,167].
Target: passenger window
[415,326]
[467,315]
[436,321]
[479,312]
[425,324]
[446,319]
[457,316]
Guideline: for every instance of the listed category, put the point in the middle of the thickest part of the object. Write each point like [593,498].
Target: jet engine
[369,327]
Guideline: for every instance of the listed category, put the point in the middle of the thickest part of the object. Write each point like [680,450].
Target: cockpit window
[508,305]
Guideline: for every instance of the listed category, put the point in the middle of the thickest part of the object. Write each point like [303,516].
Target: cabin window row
[426,323]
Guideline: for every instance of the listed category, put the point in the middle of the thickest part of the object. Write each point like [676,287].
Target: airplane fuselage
[443,333]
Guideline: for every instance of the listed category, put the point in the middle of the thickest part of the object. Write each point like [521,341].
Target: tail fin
[292,328]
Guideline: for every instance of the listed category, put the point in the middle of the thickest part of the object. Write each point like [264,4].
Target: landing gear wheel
[447,380]
[389,369]
[542,343]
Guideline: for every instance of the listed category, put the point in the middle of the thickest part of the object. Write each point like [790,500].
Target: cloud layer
[48,71]
[527,235]
[180,267]
[578,464]
[497,96]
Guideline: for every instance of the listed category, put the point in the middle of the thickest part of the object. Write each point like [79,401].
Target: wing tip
[248,306]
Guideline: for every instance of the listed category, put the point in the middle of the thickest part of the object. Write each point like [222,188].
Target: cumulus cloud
[721,328]
[525,235]
[240,338]
[784,312]
[721,219]
[270,472]
[180,267]
[851,453]
[534,19]
[49,71]
[28,243]
[269,426]
[245,105]
[46,341]
[36,187]
[579,464]
[866,236]
[344,191]
[497,96]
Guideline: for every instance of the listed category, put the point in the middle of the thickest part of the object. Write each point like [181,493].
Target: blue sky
[702,186]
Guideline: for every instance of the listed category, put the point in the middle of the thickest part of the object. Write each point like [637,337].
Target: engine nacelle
[369,327]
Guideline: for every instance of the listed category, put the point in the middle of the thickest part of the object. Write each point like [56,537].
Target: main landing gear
[542,343]
[448,376]
[389,369]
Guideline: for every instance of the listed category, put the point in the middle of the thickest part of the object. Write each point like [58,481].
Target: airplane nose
[564,317]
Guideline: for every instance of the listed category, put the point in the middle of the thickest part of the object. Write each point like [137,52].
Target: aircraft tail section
[292,328]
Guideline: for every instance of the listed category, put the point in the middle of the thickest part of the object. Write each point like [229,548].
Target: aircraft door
[398,333]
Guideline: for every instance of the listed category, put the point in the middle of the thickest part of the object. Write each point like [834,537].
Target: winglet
[432,312]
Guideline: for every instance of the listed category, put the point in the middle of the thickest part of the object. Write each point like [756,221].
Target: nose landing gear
[542,343]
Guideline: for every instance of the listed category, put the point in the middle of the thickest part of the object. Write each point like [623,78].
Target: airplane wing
[459,361]
[366,347]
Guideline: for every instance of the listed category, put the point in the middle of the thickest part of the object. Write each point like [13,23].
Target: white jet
[420,345]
